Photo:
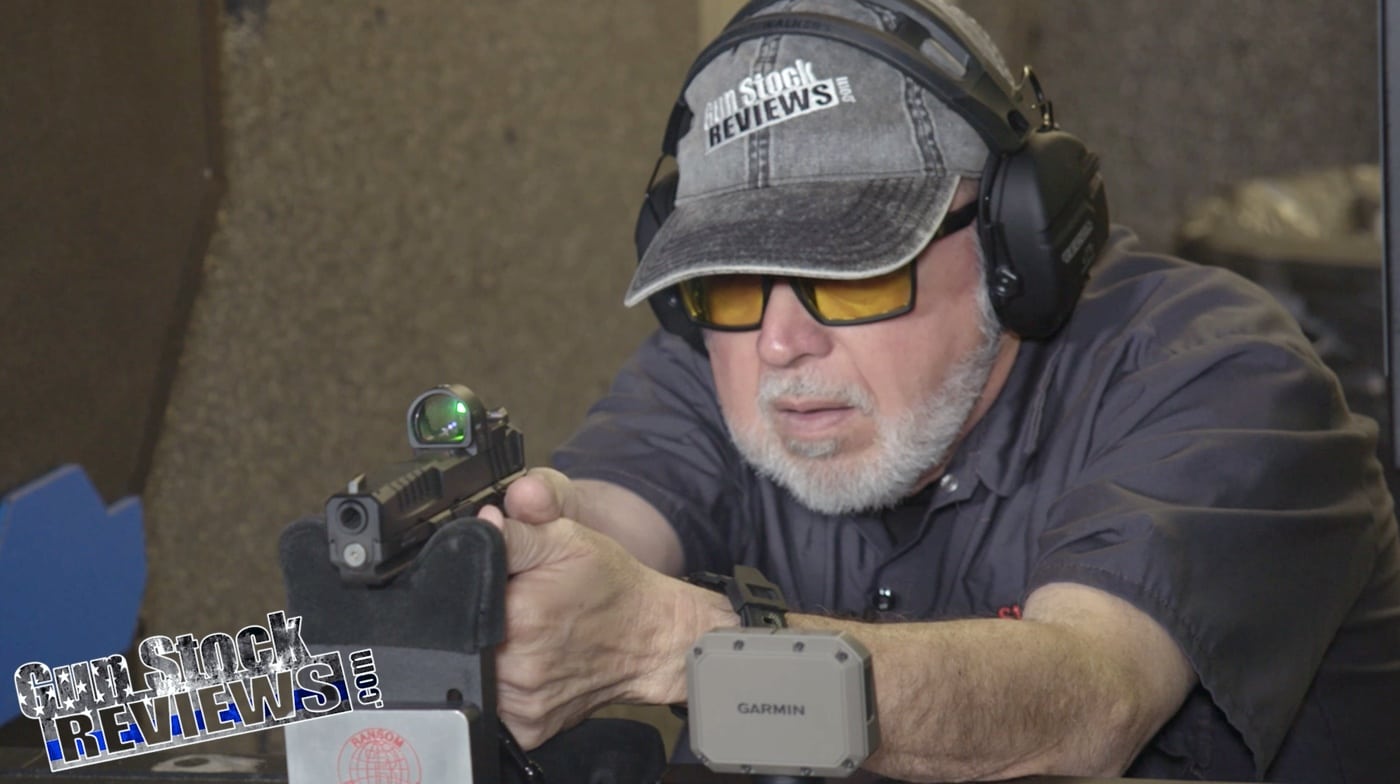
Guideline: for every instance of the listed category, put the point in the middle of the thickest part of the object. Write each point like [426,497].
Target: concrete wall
[419,192]
[1182,97]
[109,173]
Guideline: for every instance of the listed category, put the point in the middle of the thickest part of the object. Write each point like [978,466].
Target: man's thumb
[542,495]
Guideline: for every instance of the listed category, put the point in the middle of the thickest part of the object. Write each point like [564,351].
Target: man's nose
[789,332]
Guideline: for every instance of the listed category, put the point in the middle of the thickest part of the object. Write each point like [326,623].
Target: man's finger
[540,496]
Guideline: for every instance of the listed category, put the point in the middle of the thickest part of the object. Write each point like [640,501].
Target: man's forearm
[991,698]
[1076,687]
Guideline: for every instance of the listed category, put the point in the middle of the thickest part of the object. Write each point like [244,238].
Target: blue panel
[72,572]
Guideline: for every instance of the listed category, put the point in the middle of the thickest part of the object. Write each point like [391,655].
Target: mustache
[774,386]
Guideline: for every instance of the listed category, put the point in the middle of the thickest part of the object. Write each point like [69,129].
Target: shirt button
[885,599]
[949,483]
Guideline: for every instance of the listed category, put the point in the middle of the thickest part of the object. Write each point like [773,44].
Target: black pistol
[464,457]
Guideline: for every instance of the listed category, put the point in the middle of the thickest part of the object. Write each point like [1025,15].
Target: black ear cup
[1043,221]
[666,304]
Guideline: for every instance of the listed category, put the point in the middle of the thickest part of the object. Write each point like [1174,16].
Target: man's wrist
[683,613]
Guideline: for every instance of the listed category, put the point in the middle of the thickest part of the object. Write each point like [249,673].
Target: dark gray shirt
[1178,444]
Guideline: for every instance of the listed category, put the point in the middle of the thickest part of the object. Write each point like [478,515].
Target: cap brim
[851,229]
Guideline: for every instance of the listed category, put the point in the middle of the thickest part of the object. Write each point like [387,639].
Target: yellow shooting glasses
[735,303]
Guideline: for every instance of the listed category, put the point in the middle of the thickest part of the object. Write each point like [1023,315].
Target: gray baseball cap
[810,157]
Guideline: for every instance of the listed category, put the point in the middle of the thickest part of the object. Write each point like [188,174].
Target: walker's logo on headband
[764,100]
[195,691]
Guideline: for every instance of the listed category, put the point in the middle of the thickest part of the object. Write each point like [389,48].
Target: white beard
[906,445]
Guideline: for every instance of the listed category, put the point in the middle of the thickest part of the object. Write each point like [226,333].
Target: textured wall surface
[107,184]
[419,192]
[1182,97]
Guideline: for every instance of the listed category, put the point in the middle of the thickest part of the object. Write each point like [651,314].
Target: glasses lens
[729,301]
[839,301]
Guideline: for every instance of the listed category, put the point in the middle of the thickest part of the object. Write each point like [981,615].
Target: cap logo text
[767,99]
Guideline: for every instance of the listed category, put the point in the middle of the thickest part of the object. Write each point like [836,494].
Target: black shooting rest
[434,630]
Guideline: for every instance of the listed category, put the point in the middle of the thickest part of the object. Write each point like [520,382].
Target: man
[1153,540]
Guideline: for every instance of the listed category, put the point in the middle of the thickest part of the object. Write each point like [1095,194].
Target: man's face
[854,418]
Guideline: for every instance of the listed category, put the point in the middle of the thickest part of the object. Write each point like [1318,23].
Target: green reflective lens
[442,419]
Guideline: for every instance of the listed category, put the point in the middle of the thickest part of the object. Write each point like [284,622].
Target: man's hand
[544,494]
[587,624]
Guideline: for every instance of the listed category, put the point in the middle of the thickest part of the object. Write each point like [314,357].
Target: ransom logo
[378,756]
[764,100]
[193,691]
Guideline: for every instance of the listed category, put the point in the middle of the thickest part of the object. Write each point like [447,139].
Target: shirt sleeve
[1223,488]
[659,433]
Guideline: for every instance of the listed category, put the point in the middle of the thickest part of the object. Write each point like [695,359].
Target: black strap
[758,602]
